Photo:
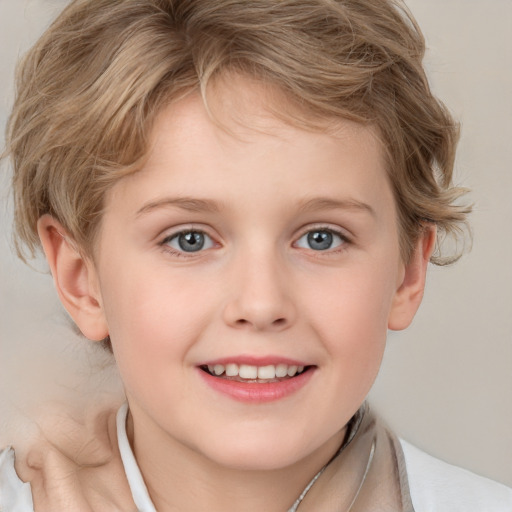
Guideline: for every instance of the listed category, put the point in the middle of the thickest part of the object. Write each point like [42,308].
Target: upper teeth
[246,371]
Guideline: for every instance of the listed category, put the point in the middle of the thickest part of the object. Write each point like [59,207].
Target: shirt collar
[135,481]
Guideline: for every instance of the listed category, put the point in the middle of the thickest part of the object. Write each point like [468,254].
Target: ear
[410,290]
[75,279]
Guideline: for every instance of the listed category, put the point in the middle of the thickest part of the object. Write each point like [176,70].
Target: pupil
[192,241]
[320,240]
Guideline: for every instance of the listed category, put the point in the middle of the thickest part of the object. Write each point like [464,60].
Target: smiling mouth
[259,374]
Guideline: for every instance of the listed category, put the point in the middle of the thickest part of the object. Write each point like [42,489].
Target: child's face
[275,247]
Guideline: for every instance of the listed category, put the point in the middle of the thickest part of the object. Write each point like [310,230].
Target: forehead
[236,110]
[243,138]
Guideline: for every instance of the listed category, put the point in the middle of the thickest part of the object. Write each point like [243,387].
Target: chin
[251,455]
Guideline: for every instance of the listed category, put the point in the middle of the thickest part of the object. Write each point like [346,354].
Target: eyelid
[169,232]
[342,233]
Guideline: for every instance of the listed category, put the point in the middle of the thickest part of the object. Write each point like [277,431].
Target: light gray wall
[446,383]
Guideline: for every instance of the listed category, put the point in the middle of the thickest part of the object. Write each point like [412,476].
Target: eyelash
[345,240]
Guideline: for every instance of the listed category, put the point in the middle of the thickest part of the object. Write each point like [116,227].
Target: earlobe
[409,294]
[75,279]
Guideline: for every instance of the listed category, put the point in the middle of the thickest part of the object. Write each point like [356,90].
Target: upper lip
[255,361]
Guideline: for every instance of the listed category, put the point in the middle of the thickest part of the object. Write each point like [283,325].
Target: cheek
[355,298]
[153,313]
[350,314]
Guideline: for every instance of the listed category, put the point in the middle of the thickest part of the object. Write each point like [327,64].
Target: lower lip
[257,392]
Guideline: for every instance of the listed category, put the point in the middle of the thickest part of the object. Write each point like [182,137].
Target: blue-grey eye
[320,240]
[190,241]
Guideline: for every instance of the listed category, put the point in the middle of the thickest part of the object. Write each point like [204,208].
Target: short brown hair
[89,90]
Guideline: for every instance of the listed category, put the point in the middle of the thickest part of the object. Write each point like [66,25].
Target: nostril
[278,322]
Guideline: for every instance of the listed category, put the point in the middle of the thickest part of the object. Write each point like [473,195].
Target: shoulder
[15,495]
[440,487]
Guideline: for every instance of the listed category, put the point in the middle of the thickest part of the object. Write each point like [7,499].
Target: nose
[260,295]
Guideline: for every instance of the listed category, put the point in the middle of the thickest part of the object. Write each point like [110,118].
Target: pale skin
[257,285]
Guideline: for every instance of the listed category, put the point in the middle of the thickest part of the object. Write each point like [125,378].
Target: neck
[179,478]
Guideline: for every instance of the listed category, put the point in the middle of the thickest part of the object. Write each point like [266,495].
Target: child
[238,199]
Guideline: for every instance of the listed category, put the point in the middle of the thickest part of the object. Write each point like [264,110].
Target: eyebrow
[190,204]
[327,203]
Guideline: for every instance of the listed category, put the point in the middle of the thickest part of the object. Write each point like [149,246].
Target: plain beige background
[446,383]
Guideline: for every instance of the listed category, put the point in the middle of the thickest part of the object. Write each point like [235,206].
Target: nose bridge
[259,295]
